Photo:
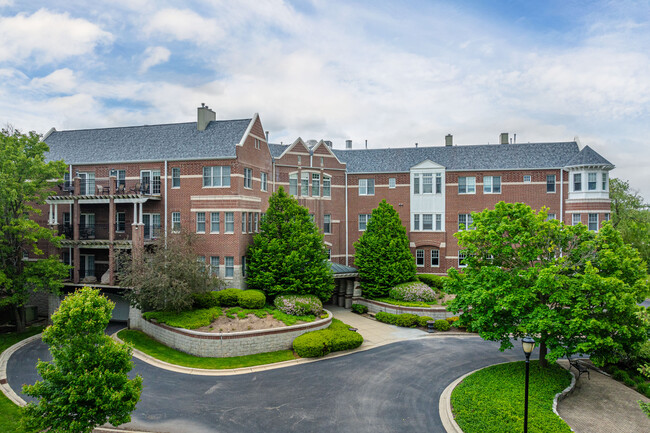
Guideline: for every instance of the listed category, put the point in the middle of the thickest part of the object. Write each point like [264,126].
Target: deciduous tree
[573,290]
[25,181]
[86,384]
[631,216]
[288,255]
[166,275]
[382,254]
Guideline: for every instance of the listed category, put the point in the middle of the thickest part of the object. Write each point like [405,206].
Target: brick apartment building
[127,186]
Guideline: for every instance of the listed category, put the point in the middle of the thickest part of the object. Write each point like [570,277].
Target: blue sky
[393,73]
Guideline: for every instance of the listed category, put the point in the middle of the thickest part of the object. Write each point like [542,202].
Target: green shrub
[228,297]
[298,305]
[407,320]
[647,391]
[629,382]
[453,319]
[386,317]
[406,303]
[643,356]
[642,388]
[422,320]
[185,319]
[441,325]
[319,343]
[359,309]
[620,375]
[436,282]
[252,299]
[413,292]
[205,300]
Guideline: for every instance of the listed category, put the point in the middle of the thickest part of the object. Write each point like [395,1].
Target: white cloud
[59,81]
[154,56]
[45,37]
[4,3]
[184,25]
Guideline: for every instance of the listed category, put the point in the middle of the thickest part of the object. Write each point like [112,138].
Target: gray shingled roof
[277,149]
[337,268]
[475,157]
[147,143]
[588,156]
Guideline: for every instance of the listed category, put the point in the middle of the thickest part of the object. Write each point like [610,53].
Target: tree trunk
[19,317]
[542,354]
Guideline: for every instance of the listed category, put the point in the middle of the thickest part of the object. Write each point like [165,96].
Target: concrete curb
[447,416]
[4,358]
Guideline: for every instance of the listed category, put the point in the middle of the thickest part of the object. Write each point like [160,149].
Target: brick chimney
[449,140]
[205,116]
[503,138]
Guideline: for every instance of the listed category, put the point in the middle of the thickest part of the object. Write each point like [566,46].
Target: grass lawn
[10,419]
[151,347]
[492,400]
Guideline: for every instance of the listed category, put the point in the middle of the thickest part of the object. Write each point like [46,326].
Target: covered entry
[345,285]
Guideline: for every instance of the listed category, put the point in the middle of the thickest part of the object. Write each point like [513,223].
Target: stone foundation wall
[436,312]
[221,345]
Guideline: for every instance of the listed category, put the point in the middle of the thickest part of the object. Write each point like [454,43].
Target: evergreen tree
[383,256]
[288,255]
[86,384]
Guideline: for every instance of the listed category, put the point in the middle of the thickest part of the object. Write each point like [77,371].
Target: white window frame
[392,183]
[230,267]
[461,256]
[466,184]
[590,222]
[264,179]
[315,185]
[367,186]
[419,258]
[214,265]
[438,222]
[243,222]
[327,224]
[248,178]
[154,181]
[87,183]
[117,222]
[551,180]
[435,256]
[215,222]
[176,177]
[216,176]
[427,183]
[592,185]
[438,183]
[527,178]
[416,222]
[577,181]
[576,219]
[416,183]
[604,181]
[427,220]
[364,219]
[489,185]
[176,222]
[293,184]
[327,186]
[229,222]
[200,222]
[551,217]
[467,221]
[304,184]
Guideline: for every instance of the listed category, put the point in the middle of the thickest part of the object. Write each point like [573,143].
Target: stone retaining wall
[221,345]
[435,312]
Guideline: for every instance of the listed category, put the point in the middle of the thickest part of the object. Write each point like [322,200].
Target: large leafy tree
[573,290]
[631,216]
[382,254]
[288,255]
[86,384]
[25,182]
[165,276]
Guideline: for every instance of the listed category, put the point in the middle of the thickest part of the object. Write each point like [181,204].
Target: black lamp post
[528,345]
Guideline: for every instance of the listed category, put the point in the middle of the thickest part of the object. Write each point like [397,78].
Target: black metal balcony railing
[123,231]
[123,187]
[66,230]
[152,232]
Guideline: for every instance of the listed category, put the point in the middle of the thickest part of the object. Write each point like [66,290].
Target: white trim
[248,130]
[225,197]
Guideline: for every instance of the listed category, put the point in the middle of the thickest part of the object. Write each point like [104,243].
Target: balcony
[100,231]
[92,188]
[93,275]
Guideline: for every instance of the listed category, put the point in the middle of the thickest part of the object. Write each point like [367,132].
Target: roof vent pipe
[348,144]
[267,136]
[449,140]
[416,145]
[366,144]
[503,138]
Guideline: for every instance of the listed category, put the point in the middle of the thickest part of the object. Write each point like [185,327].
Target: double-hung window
[315,185]
[439,222]
[230,267]
[416,184]
[214,265]
[492,184]
[435,257]
[327,224]
[250,222]
[216,176]
[243,222]
[465,221]
[327,186]
[604,181]
[304,184]
[526,178]
[593,222]
[438,183]
[264,179]
[248,178]
[230,222]
[576,219]
[466,185]
[461,259]
[427,221]
[176,177]
[120,221]
[200,222]
[176,222]
[257,227]
[364,219]
[214,222]
[121,179]
[366,186]
[592,181]
[550,217]
[550,183]
[419,258]
[427,183]
[293,184]
[416,221]
[392,183]
[577,182]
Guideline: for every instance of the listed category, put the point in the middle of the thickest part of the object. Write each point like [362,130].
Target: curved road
[392,388]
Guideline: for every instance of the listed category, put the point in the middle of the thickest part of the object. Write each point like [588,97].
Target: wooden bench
[581,368]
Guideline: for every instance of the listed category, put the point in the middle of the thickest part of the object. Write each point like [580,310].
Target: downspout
[562,194]
[346,218]
[165,180]
[71,220]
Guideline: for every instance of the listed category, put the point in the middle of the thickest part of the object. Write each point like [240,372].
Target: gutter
[346,219]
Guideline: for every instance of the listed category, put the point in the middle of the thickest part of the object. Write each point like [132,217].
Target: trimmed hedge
[228,297]
[411,320]
[252,299]
[413,292]
[359,309]
[335,338]
[422,320]
[441,325]
[299,305]
[205,300]
[434,281]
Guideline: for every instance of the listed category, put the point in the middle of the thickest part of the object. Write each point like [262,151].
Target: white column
[141,218]
[56,213]
[50,219]
[135,213]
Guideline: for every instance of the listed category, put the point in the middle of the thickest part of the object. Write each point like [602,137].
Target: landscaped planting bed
[491,400]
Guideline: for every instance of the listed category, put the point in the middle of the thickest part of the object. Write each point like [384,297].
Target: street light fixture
[528,344]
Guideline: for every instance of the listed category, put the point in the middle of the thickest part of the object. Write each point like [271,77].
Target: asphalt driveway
[393,388]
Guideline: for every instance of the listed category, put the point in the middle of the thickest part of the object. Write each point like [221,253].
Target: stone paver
[603,405]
